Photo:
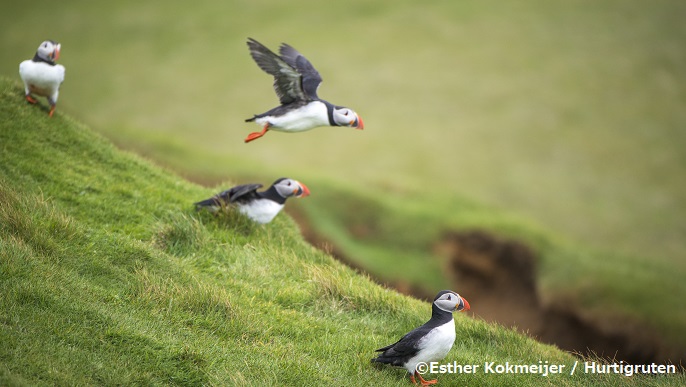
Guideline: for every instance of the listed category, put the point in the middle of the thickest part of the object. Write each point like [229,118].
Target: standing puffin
[41,75]
[296,82]
[262,206]
[430,342]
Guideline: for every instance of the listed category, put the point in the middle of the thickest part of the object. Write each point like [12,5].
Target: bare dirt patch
[500,277]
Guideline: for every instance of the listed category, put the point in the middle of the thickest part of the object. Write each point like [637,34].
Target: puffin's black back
[239,193]
[279,110]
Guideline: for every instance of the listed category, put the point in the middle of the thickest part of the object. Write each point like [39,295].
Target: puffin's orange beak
[358,123]
[56,54]
[304,191]
[465,307]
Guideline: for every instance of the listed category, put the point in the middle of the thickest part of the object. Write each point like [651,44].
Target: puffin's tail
[251,119]
[211,202]
[379,361]
[387,356]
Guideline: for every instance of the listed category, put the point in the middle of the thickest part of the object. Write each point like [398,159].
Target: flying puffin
[41,75]
[430,342]
[262,206]
[296,82]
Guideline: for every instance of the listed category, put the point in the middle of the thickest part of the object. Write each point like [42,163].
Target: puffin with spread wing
[296,82]
[260,206]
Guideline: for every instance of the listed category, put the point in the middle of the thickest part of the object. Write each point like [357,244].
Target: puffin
[41,75]
[260,206]
[428,343]
[296,82]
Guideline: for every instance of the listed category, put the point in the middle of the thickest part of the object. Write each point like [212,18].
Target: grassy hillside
[616,292]
[568,112]
[107,276]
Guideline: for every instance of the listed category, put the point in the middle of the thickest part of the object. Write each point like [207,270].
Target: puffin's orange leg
[425,382]
[30,99]
[256,135]
[52,111]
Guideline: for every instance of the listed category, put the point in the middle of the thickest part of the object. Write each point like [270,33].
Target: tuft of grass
[181,235]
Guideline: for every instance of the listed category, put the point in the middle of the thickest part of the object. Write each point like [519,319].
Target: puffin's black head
[289,187]
[449,301]
[49,51]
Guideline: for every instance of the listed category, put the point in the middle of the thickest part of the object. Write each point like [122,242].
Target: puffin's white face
[452,302]
[290,187]
[346,117]
[49,50]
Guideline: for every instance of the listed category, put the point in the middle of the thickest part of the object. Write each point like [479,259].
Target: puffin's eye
[449,297]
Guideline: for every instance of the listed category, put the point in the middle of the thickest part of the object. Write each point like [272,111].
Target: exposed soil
[500,277]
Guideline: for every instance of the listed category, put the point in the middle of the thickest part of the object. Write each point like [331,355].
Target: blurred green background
[570,115]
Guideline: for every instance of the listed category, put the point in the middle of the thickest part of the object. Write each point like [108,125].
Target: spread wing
[310,77]
[287,79]
[240,192]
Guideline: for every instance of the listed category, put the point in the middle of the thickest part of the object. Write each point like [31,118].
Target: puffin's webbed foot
[255,135]
[422,381]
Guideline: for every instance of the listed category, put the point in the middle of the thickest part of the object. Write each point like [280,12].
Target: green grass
[570,113]
[108,276]
[566,114]
[401,233]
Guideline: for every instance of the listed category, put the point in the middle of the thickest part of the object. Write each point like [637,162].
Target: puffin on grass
[428,343]
[41,75]
[262,206]
[296,82]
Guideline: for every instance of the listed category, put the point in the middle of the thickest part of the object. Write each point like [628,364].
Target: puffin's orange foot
[52,111]
[255,135]
[30,99]
[422,381]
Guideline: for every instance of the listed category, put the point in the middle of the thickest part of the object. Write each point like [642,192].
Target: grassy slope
[402,231]
[107,276]
[569,112]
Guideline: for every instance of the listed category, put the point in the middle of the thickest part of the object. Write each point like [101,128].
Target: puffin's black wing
[399,353]
[310,76]
[287,80]
[217,200]
[242,192]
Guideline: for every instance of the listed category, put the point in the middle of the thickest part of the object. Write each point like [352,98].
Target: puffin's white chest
[41,78]
[434,346]
[307,117]
[261,211]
